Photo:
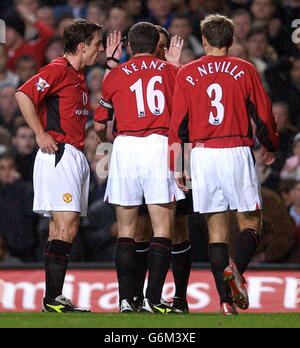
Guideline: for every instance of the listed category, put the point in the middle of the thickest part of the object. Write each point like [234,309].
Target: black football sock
[219,258]
[125,266]
[246,245]
[159,264]
[181,266]
[142,250]
[56,263]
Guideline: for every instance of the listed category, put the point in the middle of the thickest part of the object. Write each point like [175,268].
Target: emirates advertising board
[269,291]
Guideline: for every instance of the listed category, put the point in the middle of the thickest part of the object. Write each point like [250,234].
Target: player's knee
[180,233]
[143,234]
[65,230]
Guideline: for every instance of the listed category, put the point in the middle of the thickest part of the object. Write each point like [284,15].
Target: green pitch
[98,320]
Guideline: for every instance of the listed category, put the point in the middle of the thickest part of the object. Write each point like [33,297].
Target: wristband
[113,59]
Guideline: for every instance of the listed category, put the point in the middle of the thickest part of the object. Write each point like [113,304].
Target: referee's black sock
[159,264]
[181,266]
[142,251]
[246,245]
[125,266]
[219,258]
[56,263]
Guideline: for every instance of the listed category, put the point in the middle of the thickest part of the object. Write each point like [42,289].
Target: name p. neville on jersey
[217,67]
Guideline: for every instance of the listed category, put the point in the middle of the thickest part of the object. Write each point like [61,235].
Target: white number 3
[216,120]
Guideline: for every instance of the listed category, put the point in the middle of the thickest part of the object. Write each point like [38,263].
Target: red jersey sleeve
[260,109]
[45,32]
[178,134]
[43,84]
[102,113]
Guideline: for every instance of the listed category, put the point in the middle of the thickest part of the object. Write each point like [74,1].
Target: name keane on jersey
[217,67]
[155,64]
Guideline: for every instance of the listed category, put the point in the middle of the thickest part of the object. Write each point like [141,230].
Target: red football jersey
[215,99]
[140,92]
[60,95]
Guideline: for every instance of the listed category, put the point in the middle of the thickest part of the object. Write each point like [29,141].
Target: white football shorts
[139,169]
[61,181]
[224,179]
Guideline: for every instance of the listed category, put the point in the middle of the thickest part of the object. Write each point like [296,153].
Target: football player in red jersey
[55,105]
[139,163]
[181,249]
[218,96]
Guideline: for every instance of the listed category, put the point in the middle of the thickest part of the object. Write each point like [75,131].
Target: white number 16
[155,98]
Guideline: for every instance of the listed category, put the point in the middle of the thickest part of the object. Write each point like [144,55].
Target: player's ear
[81,47]
[130,49]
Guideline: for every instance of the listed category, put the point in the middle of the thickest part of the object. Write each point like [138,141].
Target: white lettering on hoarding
[195,291]
[29,294]
[290,294]
[284,292]
[1,291]
[110,300]
[298,292]
[256,287]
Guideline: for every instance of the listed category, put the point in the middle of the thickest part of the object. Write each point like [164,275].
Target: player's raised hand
[114,46]
[173,54]
[46,143]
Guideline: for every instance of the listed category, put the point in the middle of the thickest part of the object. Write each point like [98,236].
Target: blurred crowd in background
[266,35]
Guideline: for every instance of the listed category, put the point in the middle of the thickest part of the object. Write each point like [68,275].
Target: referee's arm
[28,110]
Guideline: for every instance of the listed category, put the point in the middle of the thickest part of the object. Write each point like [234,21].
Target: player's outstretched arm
[101,131]
[43,139]
[173,54]
[114,46]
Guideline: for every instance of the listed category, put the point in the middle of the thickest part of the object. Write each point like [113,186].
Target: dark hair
[14,21]
[286,185]
[26,58]
[80,30]
[218,30]
[54,39]
[7,154]
[143,38]
[18,127]
[164,31]
[182,17]
[257,31]
[240,12]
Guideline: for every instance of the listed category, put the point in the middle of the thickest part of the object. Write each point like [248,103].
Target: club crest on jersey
[42,85]
[68,198]
[84,99]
